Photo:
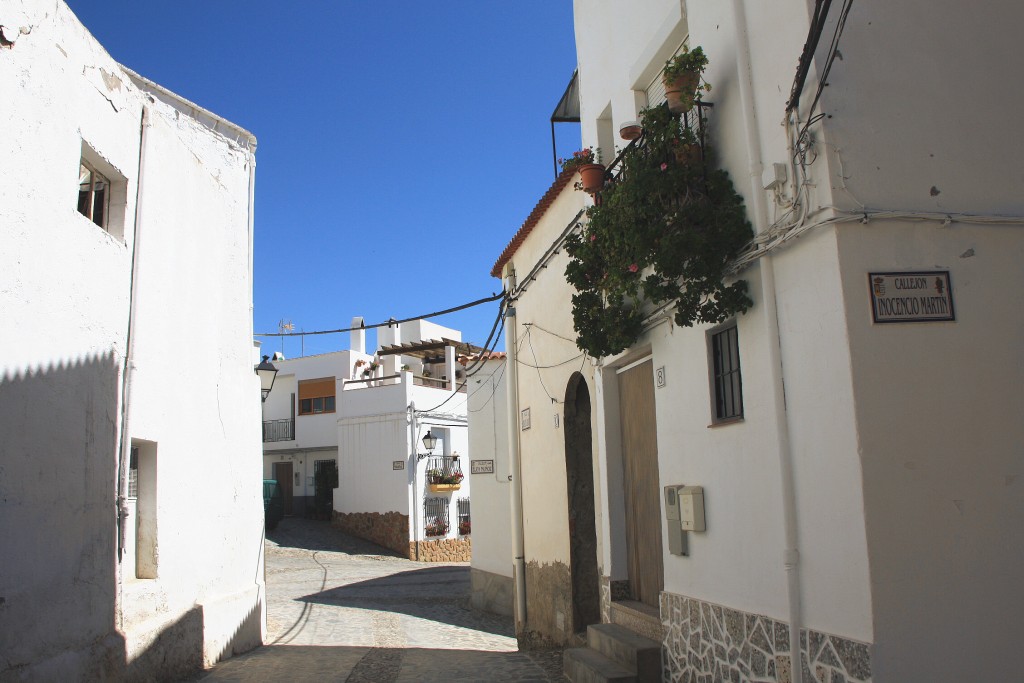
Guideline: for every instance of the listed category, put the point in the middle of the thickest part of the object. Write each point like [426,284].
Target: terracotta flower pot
[591,177]
[679,91]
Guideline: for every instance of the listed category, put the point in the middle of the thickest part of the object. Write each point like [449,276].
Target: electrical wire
[387,323]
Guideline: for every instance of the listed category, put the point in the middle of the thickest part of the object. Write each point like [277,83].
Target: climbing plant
[664,232]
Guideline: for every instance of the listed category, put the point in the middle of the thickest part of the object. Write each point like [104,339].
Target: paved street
[341,609]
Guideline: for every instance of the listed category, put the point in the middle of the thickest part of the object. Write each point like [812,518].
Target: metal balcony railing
[444,470]
[278,430]
[695,120]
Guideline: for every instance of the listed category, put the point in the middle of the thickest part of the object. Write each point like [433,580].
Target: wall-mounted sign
[481,466]
[398,464]
[911,297]
[524,419]
[659,375]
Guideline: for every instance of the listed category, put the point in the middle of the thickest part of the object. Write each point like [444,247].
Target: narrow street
[342,609]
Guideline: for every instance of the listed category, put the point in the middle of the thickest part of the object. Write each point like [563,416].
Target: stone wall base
[705,641]
[442,550]
[388,529]
[489,592]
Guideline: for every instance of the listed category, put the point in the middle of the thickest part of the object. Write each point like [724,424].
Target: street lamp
[267,373]
[429,441]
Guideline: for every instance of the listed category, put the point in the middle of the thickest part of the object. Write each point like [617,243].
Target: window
[93,194]
[726,383]
[435,516]
[102,192]
[133,473]
[316,396]
[464,519]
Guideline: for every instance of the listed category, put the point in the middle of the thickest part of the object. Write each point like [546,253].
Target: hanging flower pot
[679,91]
[591,177]
[682,79]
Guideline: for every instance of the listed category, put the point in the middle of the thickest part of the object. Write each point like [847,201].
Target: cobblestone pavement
[342,609]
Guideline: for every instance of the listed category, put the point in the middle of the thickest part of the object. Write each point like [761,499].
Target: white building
[366,415]
[864,491]
[126,374]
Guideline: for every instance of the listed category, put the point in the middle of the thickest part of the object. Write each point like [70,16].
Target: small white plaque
[398,464]
[481,466]
[524,419]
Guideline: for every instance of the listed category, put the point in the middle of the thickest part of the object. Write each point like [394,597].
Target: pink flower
[593,238]
[664,166]
[633,268]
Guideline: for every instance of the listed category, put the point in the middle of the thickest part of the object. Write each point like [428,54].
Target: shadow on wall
[58,464]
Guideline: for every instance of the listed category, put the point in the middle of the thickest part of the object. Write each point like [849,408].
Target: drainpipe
[790,553]
[515,466]
[129,358]
[414,462]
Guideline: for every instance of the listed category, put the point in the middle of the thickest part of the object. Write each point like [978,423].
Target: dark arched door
[579,470]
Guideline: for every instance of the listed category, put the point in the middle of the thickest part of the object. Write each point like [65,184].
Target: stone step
[584,665]
[637,617]
[631,650]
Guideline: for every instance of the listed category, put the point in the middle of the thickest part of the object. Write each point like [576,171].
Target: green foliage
[664,233]
[585,156]
[688,61]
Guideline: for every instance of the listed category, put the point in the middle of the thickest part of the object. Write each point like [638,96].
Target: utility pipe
[790,554]
[129,358]
[515,466]
[414,462]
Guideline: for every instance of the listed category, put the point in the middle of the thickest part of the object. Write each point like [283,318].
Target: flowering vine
[664,233]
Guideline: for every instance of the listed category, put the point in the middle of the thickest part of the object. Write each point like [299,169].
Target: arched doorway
[579,470]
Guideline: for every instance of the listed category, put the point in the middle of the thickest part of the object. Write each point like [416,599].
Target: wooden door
[641,483]
[283,474]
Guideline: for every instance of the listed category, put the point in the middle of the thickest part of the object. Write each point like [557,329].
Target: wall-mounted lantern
[267,373]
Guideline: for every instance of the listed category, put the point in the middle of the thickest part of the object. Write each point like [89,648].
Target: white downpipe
[512,388]
[790,554]
[129,358]
[414,463]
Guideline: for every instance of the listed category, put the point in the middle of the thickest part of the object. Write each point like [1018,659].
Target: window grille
[93,194]
[133,473]
[464,520]
[727,383]
[656,90]
[435,516]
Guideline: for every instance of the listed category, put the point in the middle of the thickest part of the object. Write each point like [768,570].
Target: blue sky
[401,144]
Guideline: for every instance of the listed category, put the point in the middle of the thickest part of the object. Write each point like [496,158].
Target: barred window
[465,526]
[726,382]
[435,516]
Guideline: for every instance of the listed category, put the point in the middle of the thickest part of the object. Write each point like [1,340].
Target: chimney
[357,337]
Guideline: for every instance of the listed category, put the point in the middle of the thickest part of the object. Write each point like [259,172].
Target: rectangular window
[316,396]
[435,517]
[133,473]
[726,382]
[102,192]
[93,194]
[464,520]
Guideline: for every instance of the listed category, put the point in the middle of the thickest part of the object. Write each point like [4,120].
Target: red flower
[633,268]
[593,238]
[664,166]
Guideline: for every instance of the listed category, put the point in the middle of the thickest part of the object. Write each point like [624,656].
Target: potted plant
[437,528]
[588,164]
[464,527]
[433,476]
[682,79]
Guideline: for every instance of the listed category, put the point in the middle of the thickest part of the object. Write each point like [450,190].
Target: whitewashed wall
[488,438]
[71,612]
[366,448]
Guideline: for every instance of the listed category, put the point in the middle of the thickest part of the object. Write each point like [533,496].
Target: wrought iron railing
[278,430]
[435,517]
[464,520]
[695,120]
[444,470]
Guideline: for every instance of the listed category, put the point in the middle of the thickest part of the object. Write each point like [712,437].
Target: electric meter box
[676,537]
[691,507]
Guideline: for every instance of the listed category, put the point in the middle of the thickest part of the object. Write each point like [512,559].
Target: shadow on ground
[439,594]
[307,534]
[300,664]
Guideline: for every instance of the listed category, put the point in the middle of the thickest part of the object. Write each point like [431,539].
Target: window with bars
[726,381]
[133,473]
[93,194]
[435,516]
[465,526]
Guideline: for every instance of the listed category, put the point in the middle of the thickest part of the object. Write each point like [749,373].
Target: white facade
[373,431]
[492,564]
[867,496]
[85,299]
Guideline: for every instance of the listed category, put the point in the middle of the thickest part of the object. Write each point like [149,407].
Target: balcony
[444,473]
[278,430]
